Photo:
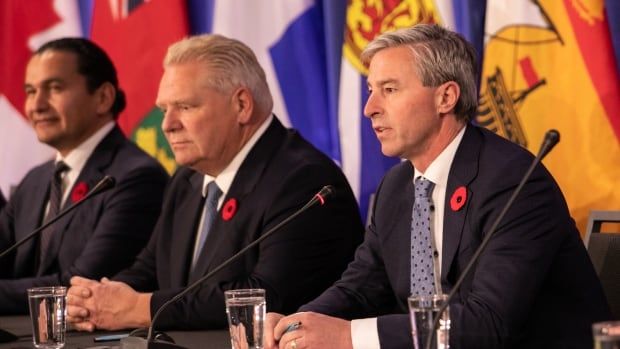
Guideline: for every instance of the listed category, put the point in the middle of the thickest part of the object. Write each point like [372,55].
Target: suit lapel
[33,218]
[93,172]
[402,249]
[245,180]
[463,171]
[186,221]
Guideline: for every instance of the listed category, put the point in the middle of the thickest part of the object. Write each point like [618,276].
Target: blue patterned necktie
[422,271]
[210,212]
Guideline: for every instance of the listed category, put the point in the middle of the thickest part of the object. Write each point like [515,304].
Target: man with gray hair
[243,173]
[533,286]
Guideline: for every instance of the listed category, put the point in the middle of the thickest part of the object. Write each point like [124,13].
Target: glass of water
[606,335]
[47,312]
[246,317]
[423,310]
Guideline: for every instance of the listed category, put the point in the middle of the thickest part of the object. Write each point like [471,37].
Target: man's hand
[317,331]
[77,298]
[106,305]
[271,320]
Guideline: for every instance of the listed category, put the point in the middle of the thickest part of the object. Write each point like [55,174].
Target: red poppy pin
[79,192]
[229,209]
[458,198]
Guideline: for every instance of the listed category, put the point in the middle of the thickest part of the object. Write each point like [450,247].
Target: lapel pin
[458,199]
[229,209]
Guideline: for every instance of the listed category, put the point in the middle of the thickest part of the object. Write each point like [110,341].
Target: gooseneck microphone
[552,137]
[104,184]
[136,342]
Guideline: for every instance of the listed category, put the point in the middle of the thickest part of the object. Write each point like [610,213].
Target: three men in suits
[72,101]
[244,174]
[534,285]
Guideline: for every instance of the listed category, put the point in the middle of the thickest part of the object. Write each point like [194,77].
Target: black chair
[604,250]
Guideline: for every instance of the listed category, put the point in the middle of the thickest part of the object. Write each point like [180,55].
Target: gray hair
[441,55]
[232,63]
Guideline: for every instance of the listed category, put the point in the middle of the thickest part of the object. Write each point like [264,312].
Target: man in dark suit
[218,121]
[534,285]
[72,101]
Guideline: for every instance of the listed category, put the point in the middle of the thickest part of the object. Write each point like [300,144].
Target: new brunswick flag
[549,64]
[136,35]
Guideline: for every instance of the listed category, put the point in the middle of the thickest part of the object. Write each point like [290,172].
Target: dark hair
[93,63]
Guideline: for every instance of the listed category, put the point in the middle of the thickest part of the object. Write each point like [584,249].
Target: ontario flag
[136,36]
[549,64]
[24,27]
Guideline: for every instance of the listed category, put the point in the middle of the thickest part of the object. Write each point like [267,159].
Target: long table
[21,326]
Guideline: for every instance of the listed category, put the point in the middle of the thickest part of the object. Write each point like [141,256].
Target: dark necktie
[210,212]
[422,270]
[55,199]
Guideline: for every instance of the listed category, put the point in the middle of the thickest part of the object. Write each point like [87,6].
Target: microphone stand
[552,137]
[104,184]
[148,342]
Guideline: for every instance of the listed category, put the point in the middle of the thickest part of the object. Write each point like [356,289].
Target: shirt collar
[224,180]
[77,158]
[438,171]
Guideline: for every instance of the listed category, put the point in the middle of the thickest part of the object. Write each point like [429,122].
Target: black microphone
[148,342]
[552,137]
[104,184]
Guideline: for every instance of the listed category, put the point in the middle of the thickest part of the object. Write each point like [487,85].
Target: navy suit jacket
[280,174]
[98,238]
[533,286]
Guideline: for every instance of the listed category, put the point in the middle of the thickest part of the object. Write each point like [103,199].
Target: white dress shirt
[364,332]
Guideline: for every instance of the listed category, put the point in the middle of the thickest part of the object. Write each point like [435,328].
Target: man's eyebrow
[45,82]
[383,82]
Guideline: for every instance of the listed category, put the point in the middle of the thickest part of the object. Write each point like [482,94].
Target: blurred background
[544,64]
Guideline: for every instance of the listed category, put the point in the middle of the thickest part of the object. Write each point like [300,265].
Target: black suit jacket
[98,238]
[281,173]
[2,201]
[534,285]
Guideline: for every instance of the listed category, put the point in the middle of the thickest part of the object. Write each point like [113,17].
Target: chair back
[604,250]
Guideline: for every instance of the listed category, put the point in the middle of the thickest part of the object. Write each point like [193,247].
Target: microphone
[104,184]
[552,137]
[148,342]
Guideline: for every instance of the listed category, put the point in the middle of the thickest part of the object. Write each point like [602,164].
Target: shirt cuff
[364,334]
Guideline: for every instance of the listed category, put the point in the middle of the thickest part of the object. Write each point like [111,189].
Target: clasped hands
[106,304]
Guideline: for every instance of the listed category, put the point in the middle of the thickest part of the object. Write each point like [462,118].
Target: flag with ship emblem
[136,35]
[550,65]
[24,27]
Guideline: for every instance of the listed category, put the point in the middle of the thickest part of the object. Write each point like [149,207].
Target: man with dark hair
[72,101]
[533,286]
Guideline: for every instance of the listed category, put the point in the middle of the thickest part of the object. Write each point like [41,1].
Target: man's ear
[243,104]
[447,95]
[105,95]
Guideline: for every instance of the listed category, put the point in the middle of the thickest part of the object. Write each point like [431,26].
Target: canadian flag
[24,27]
